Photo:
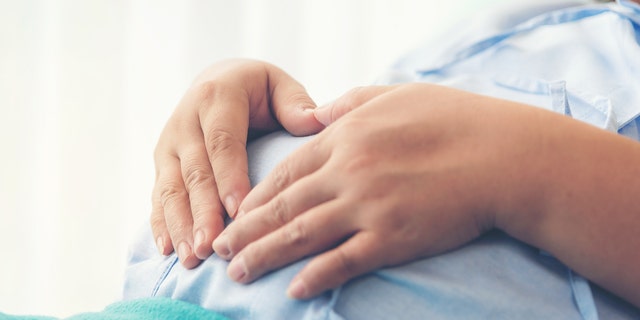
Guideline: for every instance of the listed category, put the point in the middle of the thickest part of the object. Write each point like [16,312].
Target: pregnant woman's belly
[495,277]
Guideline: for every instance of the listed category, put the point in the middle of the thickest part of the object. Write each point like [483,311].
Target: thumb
[354,98]
[291,105]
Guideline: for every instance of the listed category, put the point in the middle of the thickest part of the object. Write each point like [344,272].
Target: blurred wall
[86,87]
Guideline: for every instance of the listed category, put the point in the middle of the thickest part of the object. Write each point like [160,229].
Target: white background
[86,87]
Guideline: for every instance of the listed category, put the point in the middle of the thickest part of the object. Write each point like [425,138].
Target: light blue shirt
[583,61]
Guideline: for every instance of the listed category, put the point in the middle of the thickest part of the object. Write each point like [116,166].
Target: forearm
[585,183]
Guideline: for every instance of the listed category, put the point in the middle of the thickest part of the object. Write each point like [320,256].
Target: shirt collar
[630,4]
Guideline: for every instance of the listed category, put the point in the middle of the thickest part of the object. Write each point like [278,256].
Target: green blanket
[150,308]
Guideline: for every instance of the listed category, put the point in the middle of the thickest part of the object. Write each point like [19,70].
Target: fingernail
[323,115]
[184,251]
[160,244]
[237,269]
[297,289]
[198,240]
[221,246]
[308,108]
[231,204]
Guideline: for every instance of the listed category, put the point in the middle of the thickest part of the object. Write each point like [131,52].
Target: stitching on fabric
[164,275]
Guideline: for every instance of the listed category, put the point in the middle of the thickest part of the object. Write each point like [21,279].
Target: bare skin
[201,162]
[389,187]
[428,169]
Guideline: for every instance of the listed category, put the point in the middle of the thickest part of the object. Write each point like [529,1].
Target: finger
[274,214]
[159,225]
[224,119]
[316,230]
[291,104]
[329,113]
[174,200]
[305,160]
[360,254]
[206,209]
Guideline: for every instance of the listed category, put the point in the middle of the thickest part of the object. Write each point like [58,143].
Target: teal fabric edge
[147,308]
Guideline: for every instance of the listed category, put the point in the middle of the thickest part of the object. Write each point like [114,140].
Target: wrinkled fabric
[579,60]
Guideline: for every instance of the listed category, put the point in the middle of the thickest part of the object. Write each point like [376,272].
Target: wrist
[532,170]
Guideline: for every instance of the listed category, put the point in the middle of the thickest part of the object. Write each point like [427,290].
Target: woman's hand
[201,161]
[416,170]
[413,171]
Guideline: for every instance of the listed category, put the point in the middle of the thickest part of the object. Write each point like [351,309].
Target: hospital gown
[579,60]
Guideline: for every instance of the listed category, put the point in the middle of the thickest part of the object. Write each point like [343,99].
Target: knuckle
[361,163]
[296,233]
[316,146]
[196,176]
[220,141]
[281,176]
[206,90]
[279,211]
[202,96]
[157,221]
[201,212]
[346,263]
[179,227]
[170,194]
